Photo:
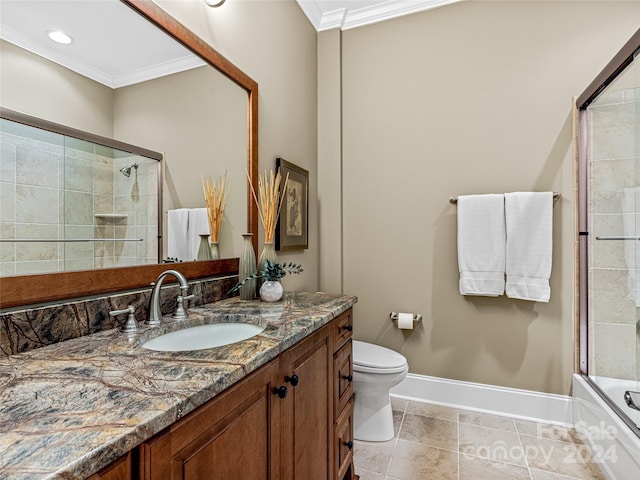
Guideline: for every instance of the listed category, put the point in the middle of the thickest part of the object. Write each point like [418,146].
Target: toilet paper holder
[417,318]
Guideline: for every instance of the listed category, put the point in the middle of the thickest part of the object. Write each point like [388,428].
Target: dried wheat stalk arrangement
[269,202]
[216,194]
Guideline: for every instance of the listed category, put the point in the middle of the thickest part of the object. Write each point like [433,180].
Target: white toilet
[376,370]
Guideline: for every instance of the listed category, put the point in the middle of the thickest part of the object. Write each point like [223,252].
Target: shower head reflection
[126,171]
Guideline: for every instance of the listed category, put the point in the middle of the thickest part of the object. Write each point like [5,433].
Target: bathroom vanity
[277,405]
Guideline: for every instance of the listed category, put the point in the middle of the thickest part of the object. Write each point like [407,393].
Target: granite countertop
[70,409]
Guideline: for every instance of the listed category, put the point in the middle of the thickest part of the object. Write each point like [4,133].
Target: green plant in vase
[272,272]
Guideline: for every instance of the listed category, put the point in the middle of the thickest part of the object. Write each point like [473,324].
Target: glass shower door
[614,239]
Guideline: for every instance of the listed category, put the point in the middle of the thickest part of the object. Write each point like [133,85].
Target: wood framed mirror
[33,289]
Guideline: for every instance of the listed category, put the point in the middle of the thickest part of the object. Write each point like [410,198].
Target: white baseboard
[512,402]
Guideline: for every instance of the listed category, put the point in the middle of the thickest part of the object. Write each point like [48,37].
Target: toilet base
[373,418]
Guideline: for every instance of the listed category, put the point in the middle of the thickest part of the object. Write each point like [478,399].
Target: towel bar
[454,199]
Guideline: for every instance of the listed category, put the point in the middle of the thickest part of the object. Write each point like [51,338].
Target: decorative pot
[268,253]
[247,268]
[271,291]
[204,252]
[215,251]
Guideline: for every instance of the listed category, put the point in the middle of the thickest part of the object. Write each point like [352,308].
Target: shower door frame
[611,71]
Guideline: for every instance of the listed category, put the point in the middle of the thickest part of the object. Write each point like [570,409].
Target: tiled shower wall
[614,206]
[55,187]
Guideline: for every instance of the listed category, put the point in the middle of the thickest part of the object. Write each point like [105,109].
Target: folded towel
[198,225]
[481,244]
[529,223]
[177,224]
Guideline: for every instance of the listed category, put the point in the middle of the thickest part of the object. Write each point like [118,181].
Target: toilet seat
[369,358]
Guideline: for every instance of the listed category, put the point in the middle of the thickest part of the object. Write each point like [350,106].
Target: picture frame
[292,230]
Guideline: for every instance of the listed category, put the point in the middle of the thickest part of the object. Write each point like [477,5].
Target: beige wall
[474,97]
[274,43]
[26,83]
[198,120]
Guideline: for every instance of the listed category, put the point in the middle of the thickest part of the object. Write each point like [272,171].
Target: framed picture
[292,231]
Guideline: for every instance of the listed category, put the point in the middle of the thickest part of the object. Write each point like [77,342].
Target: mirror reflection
[70,204]
[177,106]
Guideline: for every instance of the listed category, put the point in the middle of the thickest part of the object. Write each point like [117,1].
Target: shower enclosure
[610,229]
[74,201]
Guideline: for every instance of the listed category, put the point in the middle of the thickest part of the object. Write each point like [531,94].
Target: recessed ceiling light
[214,3]
[60,37]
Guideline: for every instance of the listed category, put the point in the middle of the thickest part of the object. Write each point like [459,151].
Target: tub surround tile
[69,409]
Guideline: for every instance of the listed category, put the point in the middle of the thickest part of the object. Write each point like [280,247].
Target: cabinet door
[120,469]
[230,437]
[307,409]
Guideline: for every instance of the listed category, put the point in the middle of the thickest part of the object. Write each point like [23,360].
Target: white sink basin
[203,336]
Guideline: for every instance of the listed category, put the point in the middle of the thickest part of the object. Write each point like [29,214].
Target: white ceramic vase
[271,291]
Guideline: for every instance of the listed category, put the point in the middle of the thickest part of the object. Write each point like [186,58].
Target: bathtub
[612,442]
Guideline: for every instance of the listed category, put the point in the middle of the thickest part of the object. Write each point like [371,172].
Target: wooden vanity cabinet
[289,420]
[235,435]
[119,469]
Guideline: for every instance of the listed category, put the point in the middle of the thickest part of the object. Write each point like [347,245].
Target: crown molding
[346,17]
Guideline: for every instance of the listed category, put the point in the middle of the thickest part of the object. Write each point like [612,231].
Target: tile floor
[440,443]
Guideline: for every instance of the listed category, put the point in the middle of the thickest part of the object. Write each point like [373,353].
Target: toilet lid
[373,356]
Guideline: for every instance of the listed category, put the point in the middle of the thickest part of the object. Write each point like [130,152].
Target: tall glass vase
[268,253]
[215,251]
[204,252]
[247,268]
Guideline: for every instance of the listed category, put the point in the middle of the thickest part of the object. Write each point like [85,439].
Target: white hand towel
[177,224]
[481,244]
[198,225]
[529,222]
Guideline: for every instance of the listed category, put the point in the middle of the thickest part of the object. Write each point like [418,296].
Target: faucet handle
[180,312]
[131,325]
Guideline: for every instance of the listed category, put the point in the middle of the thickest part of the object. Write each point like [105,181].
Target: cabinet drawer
[343,328]
[342,377]
[343,441]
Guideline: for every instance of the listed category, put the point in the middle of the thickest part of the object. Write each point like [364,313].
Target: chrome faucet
[155,313]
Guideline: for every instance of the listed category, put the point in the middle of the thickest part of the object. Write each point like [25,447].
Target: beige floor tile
[397,422]
[552,432]
[367,475]
[413,461]
[542,475]
[487,420]
[560,457]
[435,411]
[434,432]
[373,456]
[398,404]
[490,443]
[475,468]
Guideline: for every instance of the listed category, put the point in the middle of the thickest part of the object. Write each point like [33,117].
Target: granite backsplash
[26,329]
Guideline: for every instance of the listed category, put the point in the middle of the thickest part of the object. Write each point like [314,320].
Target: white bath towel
[177,224]
[198,225]
[481,244]
[529,223]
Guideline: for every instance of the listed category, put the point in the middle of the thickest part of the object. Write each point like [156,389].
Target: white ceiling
[112,44]
[117,47]
[346,14]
